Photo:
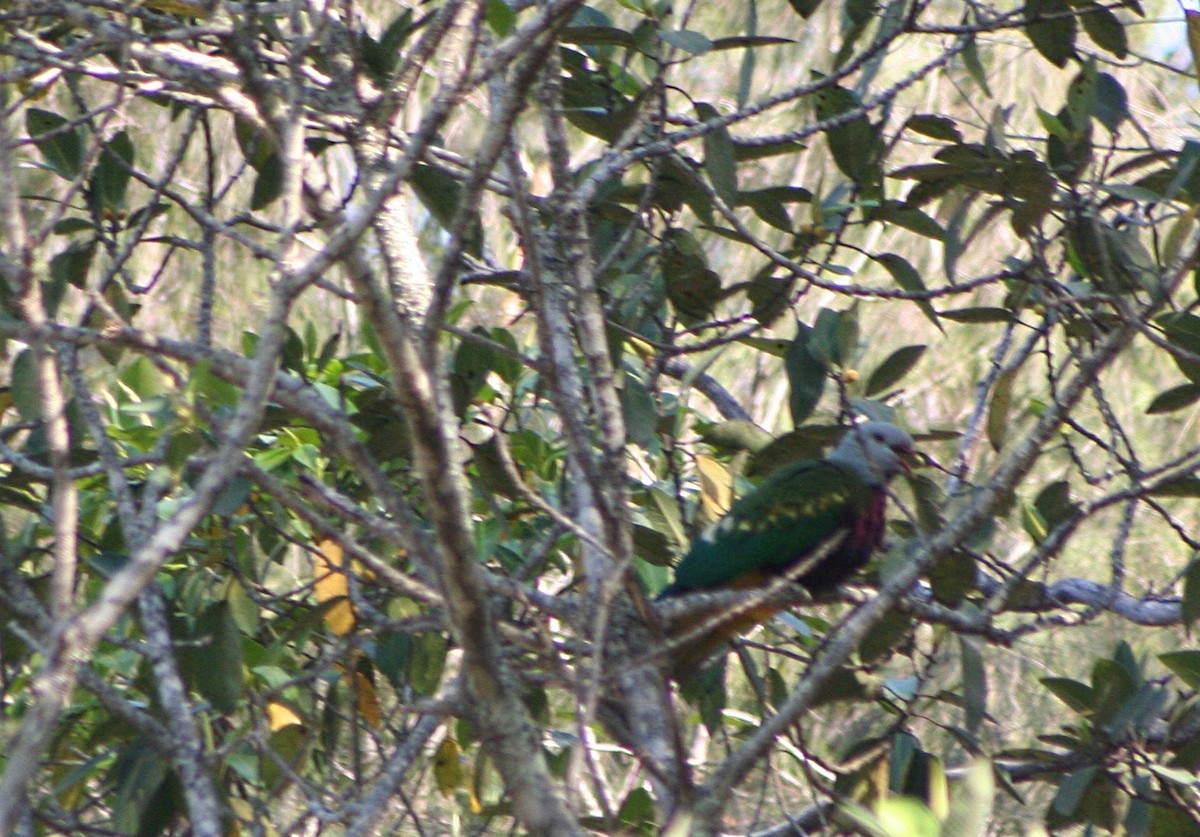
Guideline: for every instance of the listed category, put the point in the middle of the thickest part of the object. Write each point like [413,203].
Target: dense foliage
[371,363]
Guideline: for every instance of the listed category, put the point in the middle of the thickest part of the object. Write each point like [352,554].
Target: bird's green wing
[773,526]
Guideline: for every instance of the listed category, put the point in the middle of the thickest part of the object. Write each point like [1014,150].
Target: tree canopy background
[370,364]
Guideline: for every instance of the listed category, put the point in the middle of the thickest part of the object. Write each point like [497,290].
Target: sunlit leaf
[716,487]
[331,585]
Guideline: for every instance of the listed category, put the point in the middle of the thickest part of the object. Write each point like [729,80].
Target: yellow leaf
[330,585]
[177,7]
[448,770]
[280,715]
[368,699]
[1193,37]
[716,487]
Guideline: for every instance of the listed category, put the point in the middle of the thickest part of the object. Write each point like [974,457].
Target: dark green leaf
[500,16]
[974,680]
[268,185]
[888,633]
[1074,694]
[806,376]
[428,659]
[1189,607]
[719,161]
[746,150]
[638,812]
[70,226]
[952,577]
[212,661]
[257,145]
[1175,398]
[1185,665]
[693,289]
[938,127]
[1182,330]
[61,145]
[907,277]
[805,8]
[1054,503]
[898,364]
[1105,29]
[910,217]
[380,57]
[1111,102]
[111,177]
[977,315]
[139,771]
[599,36]
[854,142]
[749,41]
[1051,29]
[26,394]
[1181,487]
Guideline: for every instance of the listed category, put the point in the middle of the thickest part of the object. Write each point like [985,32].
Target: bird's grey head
[873,451]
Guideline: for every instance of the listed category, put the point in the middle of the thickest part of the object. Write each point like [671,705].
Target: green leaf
[61,145]
[428,659]
[937,127]
[641,413]
[999,408]
[1182,330]
[1175,398]
[1181,487]
[68,267]
[720,163]
[686,40]
[1185,665]
[898,364]
[381,57]
[748,42]
[1111,106]
[212,660]
[1105,29]
[139,771]
[1054,503]
[268,185]
[979,314]
[834,336]
[746,150]
[806,376]
[638,812]
[693,289]
[805,8]
[737,434]
[1190,606]
[25,391]
[1052,29]
[907,277]
[113,170]
[1071,790]
[1078,696]
[974,681]
[854,143]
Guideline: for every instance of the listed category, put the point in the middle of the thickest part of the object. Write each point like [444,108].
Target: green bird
[785,520]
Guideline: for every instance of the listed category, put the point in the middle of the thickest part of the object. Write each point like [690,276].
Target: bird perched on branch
[831,511]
